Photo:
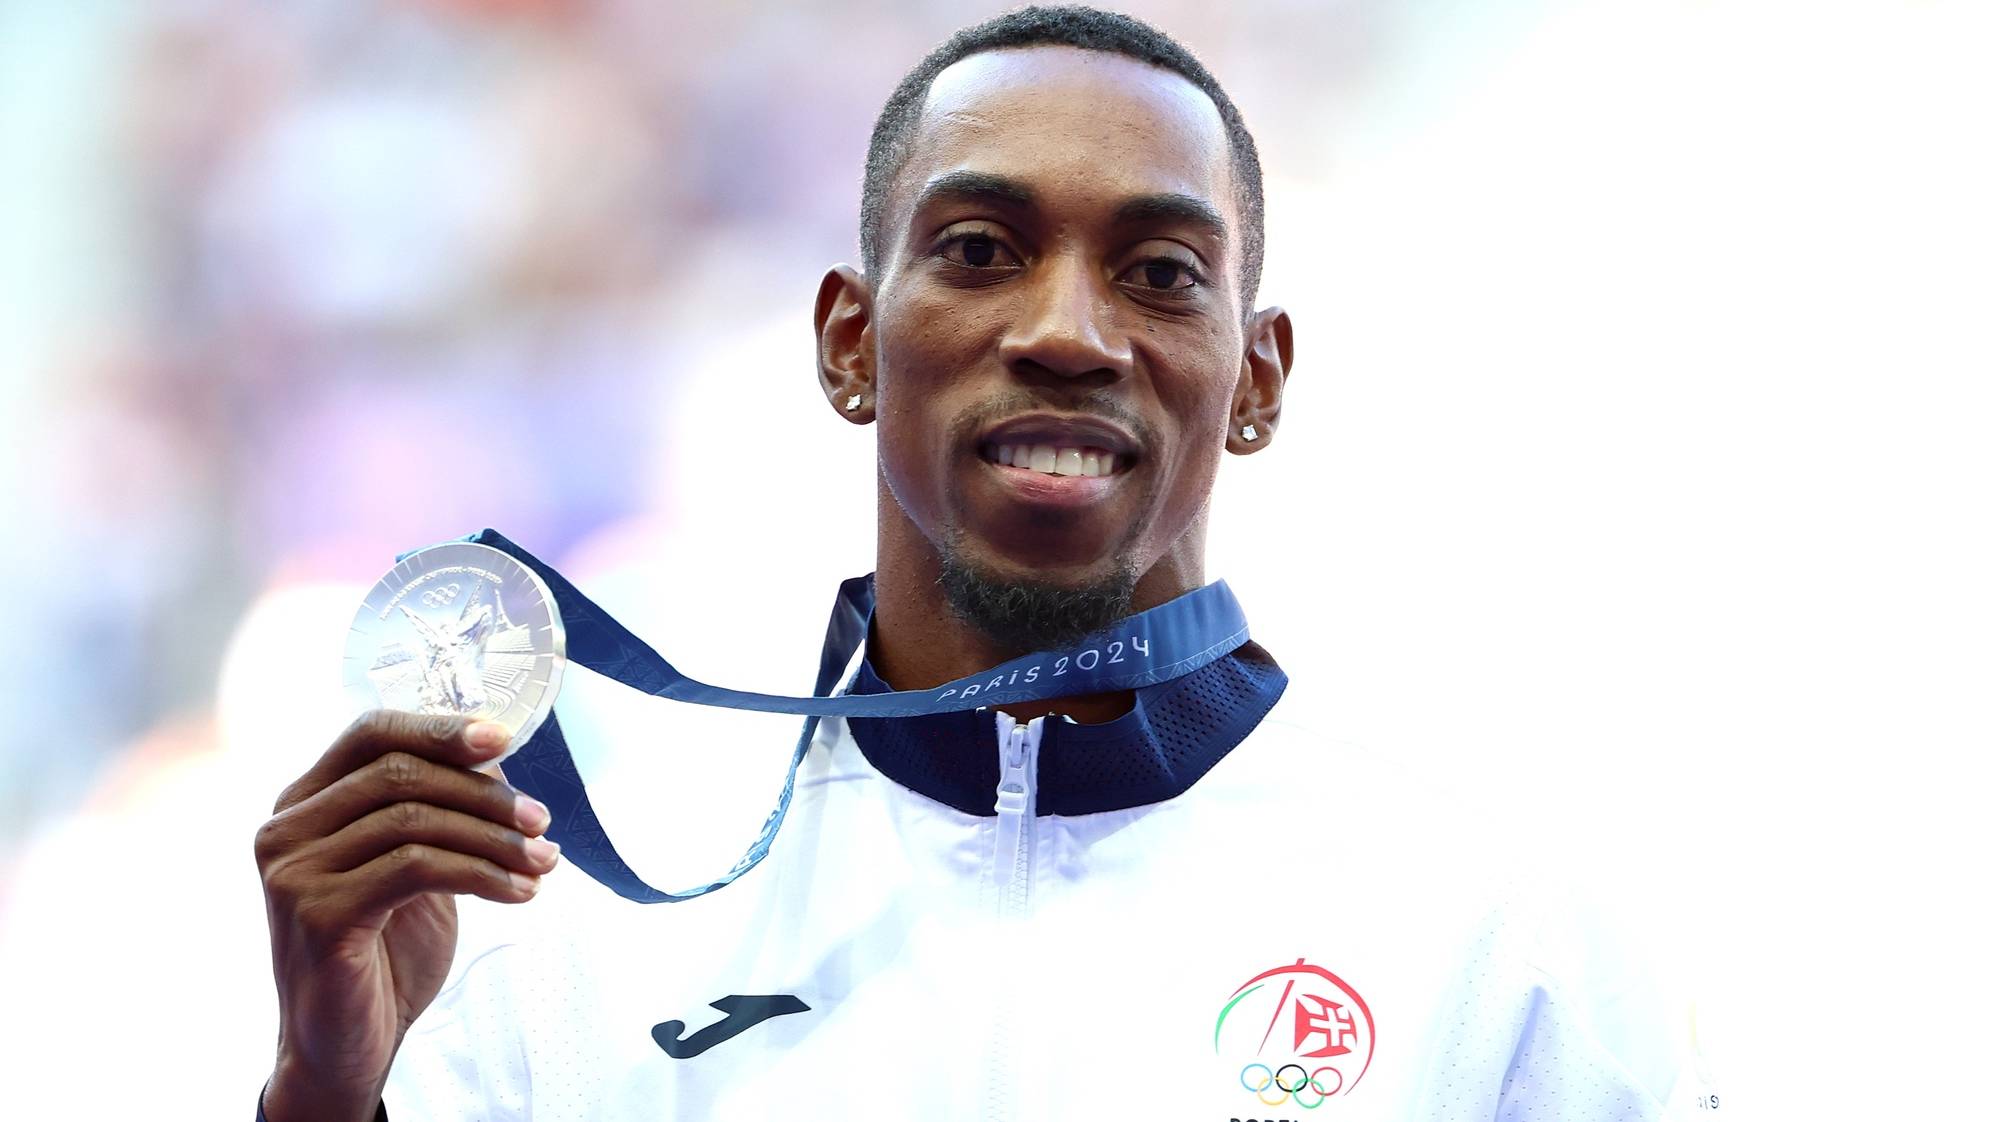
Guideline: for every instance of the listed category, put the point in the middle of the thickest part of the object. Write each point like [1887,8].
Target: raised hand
[361,861]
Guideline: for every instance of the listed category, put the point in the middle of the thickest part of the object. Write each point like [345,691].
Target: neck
[918,642]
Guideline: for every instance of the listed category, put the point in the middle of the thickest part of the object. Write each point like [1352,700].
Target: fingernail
[530,815]
[543,850]
[525,883]
[487,737]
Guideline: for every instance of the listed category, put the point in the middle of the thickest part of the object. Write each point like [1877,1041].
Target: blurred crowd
[372,272]
[379,272]
[395,270]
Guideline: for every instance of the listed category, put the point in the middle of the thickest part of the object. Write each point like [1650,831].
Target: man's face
[1057,334]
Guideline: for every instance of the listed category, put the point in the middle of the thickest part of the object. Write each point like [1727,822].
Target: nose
[1067,325]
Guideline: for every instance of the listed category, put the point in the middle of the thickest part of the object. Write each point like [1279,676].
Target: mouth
[1051,459]
[1057,446]
[1053,493]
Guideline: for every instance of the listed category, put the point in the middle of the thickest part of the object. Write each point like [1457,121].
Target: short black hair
[1070,26]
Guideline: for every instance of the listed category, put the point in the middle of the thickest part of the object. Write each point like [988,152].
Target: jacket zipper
[1013,872]
[1014,814]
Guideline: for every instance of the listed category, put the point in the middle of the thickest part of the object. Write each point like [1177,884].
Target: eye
[976,250]
[1162,274]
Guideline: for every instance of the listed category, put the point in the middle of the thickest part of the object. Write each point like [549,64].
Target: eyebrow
[985,188]
[1173,208]
[975,187]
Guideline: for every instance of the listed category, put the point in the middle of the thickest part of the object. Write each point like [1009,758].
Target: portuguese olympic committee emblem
[1299,1034]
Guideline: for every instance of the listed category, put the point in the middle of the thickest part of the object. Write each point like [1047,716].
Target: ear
[843,317]
[1267,362]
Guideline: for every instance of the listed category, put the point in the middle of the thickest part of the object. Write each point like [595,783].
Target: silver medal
[459,628]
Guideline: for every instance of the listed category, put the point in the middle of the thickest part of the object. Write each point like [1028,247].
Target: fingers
[299,834]
[435,827]
[408,871]
[400,777]
[445,739]
[392,811]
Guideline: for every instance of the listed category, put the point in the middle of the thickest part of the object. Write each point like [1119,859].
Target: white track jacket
[969,918]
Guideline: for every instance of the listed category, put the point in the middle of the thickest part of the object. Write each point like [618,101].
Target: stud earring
[1249,432]
[854,403]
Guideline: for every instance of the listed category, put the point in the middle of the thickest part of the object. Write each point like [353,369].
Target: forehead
[1076,125]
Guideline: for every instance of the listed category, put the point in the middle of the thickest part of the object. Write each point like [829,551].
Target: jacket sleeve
[1603,1032]
[1560,1018]
[1561,1073]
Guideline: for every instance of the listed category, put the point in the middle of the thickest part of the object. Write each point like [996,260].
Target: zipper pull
[1012,798]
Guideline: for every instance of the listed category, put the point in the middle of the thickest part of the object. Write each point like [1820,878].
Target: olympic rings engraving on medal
[439,597]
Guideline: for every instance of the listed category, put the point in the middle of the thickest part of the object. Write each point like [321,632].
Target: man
[1166,902]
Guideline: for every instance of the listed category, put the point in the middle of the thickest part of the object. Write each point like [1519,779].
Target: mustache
[978,418]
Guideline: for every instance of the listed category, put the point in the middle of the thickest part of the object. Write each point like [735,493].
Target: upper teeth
[1054,460]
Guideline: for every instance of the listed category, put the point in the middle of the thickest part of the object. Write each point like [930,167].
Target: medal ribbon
[1145,649]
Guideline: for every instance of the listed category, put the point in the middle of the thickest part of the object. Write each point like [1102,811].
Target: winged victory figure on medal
[474,664]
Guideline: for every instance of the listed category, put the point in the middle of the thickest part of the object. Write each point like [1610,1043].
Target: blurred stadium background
[1639,470]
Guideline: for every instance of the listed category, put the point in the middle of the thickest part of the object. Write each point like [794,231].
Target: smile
[1052,459]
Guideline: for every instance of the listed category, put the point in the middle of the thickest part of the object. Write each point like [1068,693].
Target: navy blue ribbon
[1145,649]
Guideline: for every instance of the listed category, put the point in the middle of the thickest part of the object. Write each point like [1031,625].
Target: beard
[1030,615]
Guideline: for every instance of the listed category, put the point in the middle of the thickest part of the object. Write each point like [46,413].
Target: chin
[1025,609]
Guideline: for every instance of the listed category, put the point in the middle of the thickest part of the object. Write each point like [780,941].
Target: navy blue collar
[1177,730]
